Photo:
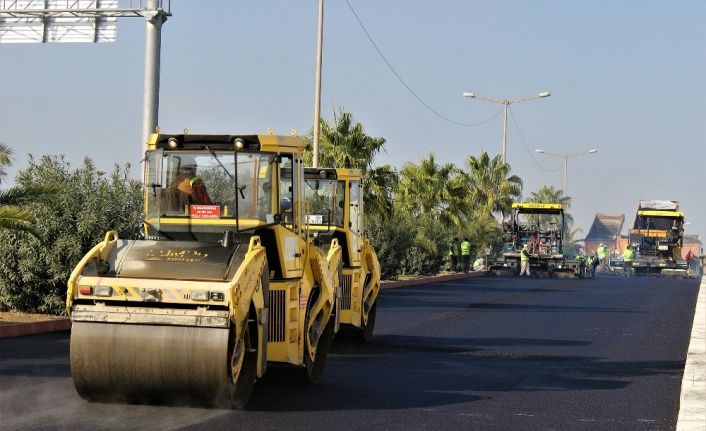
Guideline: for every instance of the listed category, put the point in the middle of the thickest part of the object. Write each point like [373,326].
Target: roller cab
[334,199]
[225,282]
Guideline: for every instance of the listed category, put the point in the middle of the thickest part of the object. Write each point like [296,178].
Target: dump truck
[657,239]
[335,206]
[541,226]
[225,283]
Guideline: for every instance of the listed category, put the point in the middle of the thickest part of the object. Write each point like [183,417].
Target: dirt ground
[14,317]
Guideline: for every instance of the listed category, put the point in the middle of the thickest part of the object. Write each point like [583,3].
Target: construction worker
[192,190]
[479,264]
[627,260]
[602,252]
[581,260]
[594,261]
[454,254]
[466,254]
[524,260]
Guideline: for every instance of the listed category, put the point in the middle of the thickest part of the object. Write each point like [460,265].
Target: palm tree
[431,189]
[13,215]
[491,187]
[5,160]
[344,144]
[552,195]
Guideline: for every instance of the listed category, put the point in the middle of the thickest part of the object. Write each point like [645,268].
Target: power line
[522,138]
[402,81]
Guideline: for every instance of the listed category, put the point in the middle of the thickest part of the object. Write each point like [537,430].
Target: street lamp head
[538,151]
[544,94]
[467,94]
[593,151]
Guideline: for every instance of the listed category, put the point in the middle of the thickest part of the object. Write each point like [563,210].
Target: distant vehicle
[657,239]
[541,226]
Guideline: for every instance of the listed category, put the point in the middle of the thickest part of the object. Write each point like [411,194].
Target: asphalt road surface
[488,353]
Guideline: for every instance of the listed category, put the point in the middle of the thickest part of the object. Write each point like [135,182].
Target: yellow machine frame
[282,335]
[360,283]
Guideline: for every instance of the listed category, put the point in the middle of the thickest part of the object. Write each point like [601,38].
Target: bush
[392,238]
[87,203]
[408,245]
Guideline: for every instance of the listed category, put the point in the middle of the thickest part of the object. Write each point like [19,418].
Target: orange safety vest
[186,184]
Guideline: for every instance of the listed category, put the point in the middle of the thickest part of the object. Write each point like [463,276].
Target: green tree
[492,189]
[344,144]
[409,245]
[12,214]
[5,160]
[84,205]
[551,195]
[433,190]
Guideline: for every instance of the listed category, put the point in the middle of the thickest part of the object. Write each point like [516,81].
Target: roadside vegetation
[55,212]
[54,230]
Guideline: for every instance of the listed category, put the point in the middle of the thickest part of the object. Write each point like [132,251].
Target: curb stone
[432,279]
[22,329]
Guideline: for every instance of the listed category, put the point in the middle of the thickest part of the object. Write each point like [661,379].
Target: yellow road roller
[334,199]
[226,282]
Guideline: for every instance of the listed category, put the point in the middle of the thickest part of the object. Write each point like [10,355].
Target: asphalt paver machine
[657,239]
[541,227]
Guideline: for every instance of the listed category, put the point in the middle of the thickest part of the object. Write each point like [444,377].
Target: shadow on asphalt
[400,372]
[548,308]
[45,355]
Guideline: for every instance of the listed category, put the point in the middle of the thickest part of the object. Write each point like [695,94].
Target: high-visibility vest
[524,255]
[628,255]
[186,184]
[602,252]
[465,248]
[456,250]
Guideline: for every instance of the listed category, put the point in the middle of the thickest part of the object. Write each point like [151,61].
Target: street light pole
[566,158]
[317,97]
[153,45]
[506,103]
[507,106]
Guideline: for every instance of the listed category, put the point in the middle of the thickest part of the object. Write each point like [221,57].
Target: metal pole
[317,96]
[566,168]
[153,42]
[507,105]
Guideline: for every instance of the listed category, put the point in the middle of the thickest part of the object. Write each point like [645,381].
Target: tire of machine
[366,332]
[239,392]
[314,368]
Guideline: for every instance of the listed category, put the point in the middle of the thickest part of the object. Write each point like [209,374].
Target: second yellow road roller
[334,198]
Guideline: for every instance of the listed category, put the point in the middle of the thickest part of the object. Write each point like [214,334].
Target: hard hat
[187,162]
[602,244]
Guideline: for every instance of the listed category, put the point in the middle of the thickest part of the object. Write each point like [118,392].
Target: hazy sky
[627,78]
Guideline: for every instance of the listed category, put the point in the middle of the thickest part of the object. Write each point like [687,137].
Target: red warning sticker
[205,211]
[302,301]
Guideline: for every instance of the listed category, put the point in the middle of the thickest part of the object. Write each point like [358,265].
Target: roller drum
[149,363]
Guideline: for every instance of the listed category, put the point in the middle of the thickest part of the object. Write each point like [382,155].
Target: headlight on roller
[200,295]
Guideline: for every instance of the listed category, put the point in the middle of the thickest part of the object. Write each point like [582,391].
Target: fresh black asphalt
[488,353]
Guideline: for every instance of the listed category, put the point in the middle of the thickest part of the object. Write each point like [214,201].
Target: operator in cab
[192,190]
